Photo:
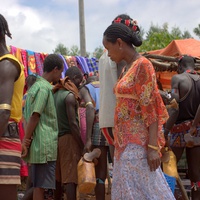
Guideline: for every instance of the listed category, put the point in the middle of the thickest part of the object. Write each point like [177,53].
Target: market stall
[165,60]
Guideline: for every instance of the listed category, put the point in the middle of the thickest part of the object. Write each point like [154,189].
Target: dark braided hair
[4,30]
[119,30]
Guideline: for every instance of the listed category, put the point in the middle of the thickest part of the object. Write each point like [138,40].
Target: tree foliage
[197,30]
[61,49]
[98,52]
[74,51]
[159,37]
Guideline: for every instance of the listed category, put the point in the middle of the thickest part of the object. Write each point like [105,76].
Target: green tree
[197,30]
[61,49]
[159,37]
[98,52]
[142,32]
[176,33]
[186,34]
[74,51]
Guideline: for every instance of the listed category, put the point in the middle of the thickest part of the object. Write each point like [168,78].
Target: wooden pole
[82,28]
[182,189]
[166,63]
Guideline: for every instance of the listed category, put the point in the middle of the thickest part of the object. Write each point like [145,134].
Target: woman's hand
[153,159]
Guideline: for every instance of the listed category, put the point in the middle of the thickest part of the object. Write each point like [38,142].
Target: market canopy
[165,60]
[179,47]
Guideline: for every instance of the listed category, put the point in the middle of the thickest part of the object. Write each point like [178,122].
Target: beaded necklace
[191,71]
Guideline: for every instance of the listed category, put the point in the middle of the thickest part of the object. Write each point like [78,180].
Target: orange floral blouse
[139,104]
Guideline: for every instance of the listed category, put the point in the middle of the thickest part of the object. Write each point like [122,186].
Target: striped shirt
[45,136]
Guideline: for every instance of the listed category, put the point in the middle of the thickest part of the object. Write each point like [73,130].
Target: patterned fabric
[133,180]
[108,134]
[82,118]
[94,64]
[24,166]
[16,111]
[10,156]
[139,104]
[83,64]
[98,138]
[44,144]
[65,66]
[39,63]
[177,134]
[24,61]
[71,61]
[90,67]
[31,62]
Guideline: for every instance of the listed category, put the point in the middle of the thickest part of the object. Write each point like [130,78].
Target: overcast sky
[39,25]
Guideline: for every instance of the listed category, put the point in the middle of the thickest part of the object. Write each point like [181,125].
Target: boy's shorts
[43,175]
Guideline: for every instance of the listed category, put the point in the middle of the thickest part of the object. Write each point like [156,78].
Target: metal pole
[82,28]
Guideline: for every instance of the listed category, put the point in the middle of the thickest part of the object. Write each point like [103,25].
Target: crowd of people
[120,111]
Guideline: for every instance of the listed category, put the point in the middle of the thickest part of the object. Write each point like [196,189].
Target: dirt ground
[92,197]
[48,194]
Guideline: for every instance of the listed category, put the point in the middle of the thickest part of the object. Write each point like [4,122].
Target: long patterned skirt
[133,180]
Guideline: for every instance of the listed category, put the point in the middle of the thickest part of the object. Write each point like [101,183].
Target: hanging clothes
[83,64]
[90,67]
[65,66]
[94,64]
[25,61]
[39,63]
[31,62]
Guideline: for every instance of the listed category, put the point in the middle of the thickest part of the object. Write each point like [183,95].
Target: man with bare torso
[11,92]
[186,90]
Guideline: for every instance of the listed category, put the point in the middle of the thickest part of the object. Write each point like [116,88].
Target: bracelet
[5,106]
[154,147]
[88,103]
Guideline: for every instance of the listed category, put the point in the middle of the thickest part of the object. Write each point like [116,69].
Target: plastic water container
[86,177]
[171,182]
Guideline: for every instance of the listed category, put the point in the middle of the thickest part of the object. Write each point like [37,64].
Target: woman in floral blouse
[139,116]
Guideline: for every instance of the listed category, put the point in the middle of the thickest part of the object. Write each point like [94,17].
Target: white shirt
[108,79]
